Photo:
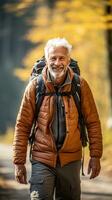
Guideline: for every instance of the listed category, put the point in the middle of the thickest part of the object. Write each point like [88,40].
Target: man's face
[58,61]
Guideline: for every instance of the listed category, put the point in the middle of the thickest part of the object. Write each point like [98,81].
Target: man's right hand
[20,174]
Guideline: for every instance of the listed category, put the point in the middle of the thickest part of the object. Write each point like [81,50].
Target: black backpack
[75,92]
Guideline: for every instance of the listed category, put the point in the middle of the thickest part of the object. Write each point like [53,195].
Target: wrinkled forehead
[58,51]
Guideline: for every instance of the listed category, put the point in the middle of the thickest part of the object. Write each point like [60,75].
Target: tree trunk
[108,10]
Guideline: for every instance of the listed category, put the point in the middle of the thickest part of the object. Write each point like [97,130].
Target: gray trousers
[62,183]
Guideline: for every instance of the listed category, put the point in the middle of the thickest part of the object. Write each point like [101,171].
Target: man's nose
[57,61]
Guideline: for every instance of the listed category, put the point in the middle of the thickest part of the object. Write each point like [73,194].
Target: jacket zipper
[53,142]
[57,107]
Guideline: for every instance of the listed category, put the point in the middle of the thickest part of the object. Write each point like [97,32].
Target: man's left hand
[94,167]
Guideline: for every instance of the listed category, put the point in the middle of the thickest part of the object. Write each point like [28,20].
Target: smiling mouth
[57,69]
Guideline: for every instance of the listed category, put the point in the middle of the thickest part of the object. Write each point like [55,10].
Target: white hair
[57,42]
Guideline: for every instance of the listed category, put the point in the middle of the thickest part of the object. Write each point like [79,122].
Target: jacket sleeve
[92,120]
[23,124]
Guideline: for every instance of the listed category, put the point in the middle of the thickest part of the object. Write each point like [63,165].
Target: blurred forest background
[25,27]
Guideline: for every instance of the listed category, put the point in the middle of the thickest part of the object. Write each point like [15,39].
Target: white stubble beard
[57,75]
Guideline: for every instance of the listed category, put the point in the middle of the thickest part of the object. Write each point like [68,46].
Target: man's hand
[94,167]
[20,174]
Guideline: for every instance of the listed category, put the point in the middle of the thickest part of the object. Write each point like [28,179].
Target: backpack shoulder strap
[39,94]
[76,92]
[40,90]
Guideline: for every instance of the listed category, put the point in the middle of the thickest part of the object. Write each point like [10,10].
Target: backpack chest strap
[57,93]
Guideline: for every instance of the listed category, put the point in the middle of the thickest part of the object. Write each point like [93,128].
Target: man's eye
[62,58]
[52,59]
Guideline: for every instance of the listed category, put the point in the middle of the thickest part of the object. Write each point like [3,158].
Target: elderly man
[57,147]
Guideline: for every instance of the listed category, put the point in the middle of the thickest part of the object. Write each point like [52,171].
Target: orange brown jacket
[44,147]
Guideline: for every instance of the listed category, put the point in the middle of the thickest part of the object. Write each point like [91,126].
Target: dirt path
[98,189]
